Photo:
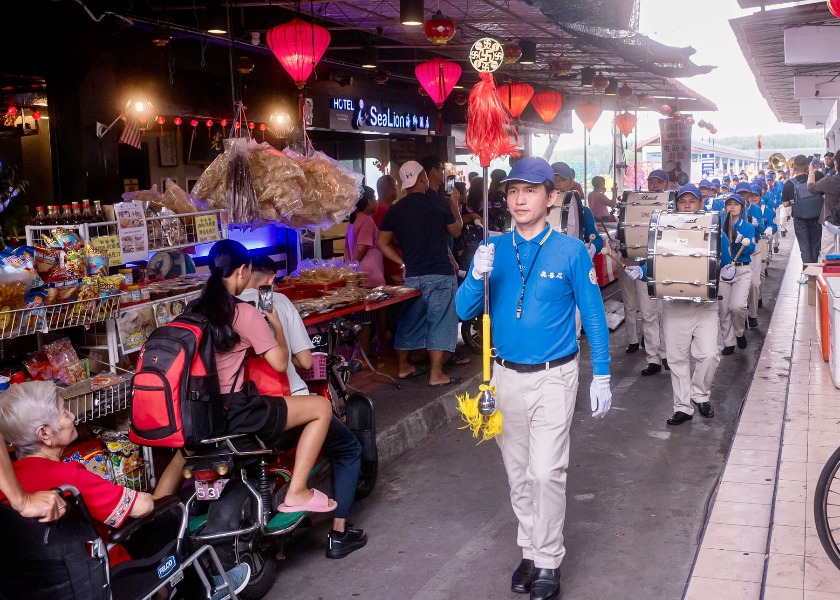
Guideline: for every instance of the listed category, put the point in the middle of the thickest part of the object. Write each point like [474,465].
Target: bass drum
[567,216]
[634,214]
[684,258]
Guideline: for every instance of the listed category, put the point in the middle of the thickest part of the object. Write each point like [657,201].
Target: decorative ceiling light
[547,104]
[439,28]
[380,77]
[625,122]
[438,77]
[512,51]
[515,96]
[625,91]
[587,76]
[560,67]
[216,18]
[280,124]
[161,37]
[588,113]
[529,52]
[411,12]
[369,57]
[600,82]
[245,64]
[612,88]
[298,46]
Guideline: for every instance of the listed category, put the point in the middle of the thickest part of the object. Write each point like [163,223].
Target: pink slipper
[319,503]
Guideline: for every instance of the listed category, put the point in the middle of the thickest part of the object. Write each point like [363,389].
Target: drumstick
[744,243]
[592,237]
[606,252]
[604,227]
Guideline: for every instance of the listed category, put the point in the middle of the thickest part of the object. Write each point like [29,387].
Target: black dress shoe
[651,369]
[632,348]
[753,322]
[742,341]
[520,582]
[679,418]
[775,248]
[705,409]
[665,364]
[546,585]
[760,301]
[784,234]
[727,350]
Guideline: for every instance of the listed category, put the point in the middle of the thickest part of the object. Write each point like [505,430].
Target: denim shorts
[429,321]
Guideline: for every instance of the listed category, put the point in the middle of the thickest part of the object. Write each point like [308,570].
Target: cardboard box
[812,270]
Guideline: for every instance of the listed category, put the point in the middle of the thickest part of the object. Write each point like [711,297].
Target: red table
[357,308]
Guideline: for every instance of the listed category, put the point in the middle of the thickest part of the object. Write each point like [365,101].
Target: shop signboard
[676,149]
[362,114]
[707,163]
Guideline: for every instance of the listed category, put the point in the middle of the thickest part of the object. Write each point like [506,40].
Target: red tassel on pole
[488,123]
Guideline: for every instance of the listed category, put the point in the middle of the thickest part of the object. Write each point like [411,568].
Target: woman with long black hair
[237,327]
[734,288]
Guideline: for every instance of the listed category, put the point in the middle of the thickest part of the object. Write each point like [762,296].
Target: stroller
[68,560]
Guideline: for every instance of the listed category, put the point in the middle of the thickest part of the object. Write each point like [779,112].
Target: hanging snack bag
[90,454]
[124,459]
[97,261]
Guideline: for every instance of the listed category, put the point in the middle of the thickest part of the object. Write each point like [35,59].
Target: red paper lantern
[588,113]
[625,122]
[12,110]
[36,116]
[438,77]
[298,46]
[251,125]
[625,91]
[600,82]
[702,124]
[834,7]
[689,121]
[665,110]
[646,101]
[713,130]
[224,122]
[439,29]
[178,121]
[194,123]
[678,117]
[547,104]
[263,127]
[380,77]
[515,96]
[160,120]
[237,125]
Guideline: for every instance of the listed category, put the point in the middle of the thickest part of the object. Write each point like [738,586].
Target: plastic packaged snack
[62,291]
[97,261]
[124,458]
[61,238]
[61,353]
[33,318]
[91,454]
[17,260]
[38,366]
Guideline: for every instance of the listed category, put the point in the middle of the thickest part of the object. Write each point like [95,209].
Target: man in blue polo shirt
[538,278]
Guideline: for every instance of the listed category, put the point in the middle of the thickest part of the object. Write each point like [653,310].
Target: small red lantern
[380,77]
[178,121]
[625,122]
[702,124]
[665,110]
[625,91]
[251,125]
[160,121]
[263,128]
[12,110]
[560,67]
[547,104]
[600,82]
[515,96]
[237,125]
[36,116]
[834,7]
[194,123]
[713,130]
[678,117]
[223,122]
[298,46]
[646,101]
[439,29]
[588,113]
[689,120]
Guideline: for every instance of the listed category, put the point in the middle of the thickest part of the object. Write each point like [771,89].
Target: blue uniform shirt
[589,230]
[754,212]
[561,280]
[746,229]
[769,219]
[725,254]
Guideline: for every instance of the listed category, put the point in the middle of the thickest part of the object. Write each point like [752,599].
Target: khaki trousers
[651,311]
[733,304]
[756,280]
[826,244]
[691,331]
[631,306]
[537,409]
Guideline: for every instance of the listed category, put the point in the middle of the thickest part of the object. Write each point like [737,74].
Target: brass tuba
[777,161]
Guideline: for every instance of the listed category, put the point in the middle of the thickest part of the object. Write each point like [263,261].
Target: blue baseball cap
[716,182]
[771,175]
[756,189]
[658,174]
[690,188]
[563,170]
[705,183]
[724,185]
[743,186]
[532,170]
[727,178]
[735,197]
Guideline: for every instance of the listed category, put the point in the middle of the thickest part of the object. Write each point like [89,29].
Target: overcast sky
[704,26]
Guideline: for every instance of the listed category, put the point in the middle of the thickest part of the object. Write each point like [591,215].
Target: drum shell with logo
[684,256]
[634,216]
[566,216]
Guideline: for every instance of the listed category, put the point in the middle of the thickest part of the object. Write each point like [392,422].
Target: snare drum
[634,214]
[684,256]
[567,216]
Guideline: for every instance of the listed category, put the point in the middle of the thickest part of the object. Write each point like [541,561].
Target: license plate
[209,490]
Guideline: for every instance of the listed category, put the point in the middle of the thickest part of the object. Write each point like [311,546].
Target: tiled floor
[760,541]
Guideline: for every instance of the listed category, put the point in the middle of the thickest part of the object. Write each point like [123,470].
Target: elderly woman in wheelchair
[34,419]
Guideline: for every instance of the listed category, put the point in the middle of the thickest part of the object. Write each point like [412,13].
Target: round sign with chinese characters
[487,55]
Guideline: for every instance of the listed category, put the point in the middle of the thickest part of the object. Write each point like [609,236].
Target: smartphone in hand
[266,298]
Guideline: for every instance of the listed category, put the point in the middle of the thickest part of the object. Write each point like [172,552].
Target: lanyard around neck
[522,274]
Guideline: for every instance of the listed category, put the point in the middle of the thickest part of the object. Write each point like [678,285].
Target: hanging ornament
[678,117]
[713,130]
[588,113]
[600,82]
[515,96]
[262,129]
[12,110]
[380,77]
[178,121]
[834,7]
[547,104]
[245,65]
[702,124]
[689,120]
[223,123]
[560,67]
[665,110]
[646,101]
[209,124]
[160,121]
[512,51]
[462,97]
[298,46]
[438,77]
[625,122]
[194,124]
[36,116]
[439,28]
[625,91]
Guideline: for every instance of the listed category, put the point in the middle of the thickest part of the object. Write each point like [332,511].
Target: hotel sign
[359,114]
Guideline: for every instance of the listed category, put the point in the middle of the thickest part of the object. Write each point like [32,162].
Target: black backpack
[805,205]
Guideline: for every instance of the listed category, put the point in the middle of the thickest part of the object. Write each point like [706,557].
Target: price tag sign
[111,245]
[206,228]
[131,225]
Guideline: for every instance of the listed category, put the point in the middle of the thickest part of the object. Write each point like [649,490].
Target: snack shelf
[35,233]
[89,404]
[42,319]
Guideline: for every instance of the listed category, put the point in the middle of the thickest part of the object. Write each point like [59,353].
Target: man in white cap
[422,225]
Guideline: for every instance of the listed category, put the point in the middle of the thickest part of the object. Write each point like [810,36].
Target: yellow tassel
[492,426]
[488,427]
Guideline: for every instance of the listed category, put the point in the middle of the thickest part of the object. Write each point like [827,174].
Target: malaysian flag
[131,132]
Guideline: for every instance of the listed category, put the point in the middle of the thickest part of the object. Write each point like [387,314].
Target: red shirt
[108,503]
[391,268]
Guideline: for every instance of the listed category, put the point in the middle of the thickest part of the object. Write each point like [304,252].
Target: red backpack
[177,401]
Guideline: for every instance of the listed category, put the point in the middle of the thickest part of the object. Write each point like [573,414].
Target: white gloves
[600,396]
[727,273]
[738,238]
[634,272]
[615,245]
[483,261]
[768,232]
[591,249]
[755,222]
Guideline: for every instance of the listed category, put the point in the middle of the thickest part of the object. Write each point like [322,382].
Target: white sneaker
[803,278]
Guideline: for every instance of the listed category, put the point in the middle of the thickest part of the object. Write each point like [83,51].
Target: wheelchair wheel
[827,508]
[471,334]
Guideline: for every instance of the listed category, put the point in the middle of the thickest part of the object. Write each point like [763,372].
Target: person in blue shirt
[756,216]
[773,199]
[564,183]
[716,185]
[690,330]
[734,292]
[707,191]
[537,279]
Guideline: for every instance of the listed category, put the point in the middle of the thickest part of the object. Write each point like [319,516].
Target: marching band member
[773,199]
[537,282]
[761,218]
[716,185]
[691,332]
[564,182]
[735,276]
[707,191]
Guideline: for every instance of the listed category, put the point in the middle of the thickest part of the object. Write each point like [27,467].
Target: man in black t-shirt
[808,230]
[422,224]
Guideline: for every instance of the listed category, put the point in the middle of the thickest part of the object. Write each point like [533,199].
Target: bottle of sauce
[77,214]
[87,214]
[53,218]
[40,216]
[66,215]
[98,217]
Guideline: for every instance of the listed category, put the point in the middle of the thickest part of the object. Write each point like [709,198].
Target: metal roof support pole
[636,151]
[585,168]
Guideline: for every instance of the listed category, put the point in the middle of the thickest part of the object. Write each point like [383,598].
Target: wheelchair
[68,560]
